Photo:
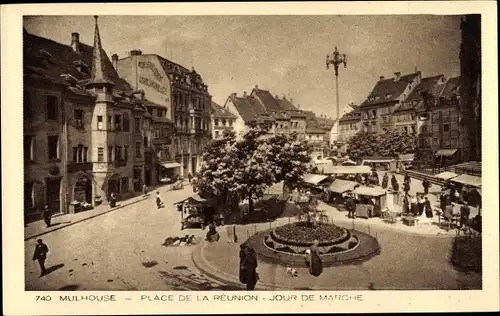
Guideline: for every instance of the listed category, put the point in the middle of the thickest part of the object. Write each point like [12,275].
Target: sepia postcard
[225,157]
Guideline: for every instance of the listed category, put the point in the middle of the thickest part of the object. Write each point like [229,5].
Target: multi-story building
[180,96]
[470,88]
[222,120]
[335,138]
[376,110]
[79,144]
[349,125]
[404,115]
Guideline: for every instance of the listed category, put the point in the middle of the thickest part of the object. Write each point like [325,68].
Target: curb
[83,219]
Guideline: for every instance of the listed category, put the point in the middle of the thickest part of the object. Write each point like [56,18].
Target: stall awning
[346,169]
[446,175]
[194,197]
[370,191]
[468,180]
[314,178]
[170,165]
[341,186]
[348,162]
[445,152]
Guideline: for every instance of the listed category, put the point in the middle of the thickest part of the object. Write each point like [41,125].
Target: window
[125,152]
[85,154]
[80,154]
[99,122]
[118,153]
[146,141]
[118,122]
[126,122]
[216,122]
[110,154]
[29,148]
[100,154]
[216,134]
[446,127]
[161,112]
[52,108]
[110,125]
[53,147]
[157,133]
[137,124]
[78,118]
[28,194]
[138,150]
[150,110]
[27,106]
[224,122]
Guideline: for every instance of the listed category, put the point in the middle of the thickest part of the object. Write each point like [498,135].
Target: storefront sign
[150,83]
[149,65]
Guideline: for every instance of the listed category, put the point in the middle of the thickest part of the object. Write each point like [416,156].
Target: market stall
[338,188]
[347,170]
[446,175]
[468,180]
[317,183]
[197,211]
[372,201]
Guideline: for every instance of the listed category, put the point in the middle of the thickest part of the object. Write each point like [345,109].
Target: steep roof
[285,104]
[388,90]
[269,102]
[451,87]
[98,75]
[312,129]
[220,112]
[426,85]
[248,107]
[51,59]
[351,116]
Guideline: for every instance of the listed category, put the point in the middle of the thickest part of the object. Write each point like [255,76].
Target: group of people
[450,196]
[417,205]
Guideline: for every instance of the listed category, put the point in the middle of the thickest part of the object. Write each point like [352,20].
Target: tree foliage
[395,142]
[362,144]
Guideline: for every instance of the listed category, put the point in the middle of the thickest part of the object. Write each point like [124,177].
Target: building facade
[350,125]
[78,136]
[181,98]
[222,120]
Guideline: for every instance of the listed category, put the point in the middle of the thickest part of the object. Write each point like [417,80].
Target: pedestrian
[47,215]
[406,207]
[159,202]
[376,179]
[250,268]
[40,255]
[428,208]
[243,253]
[394,183]
[464,214]
[406,187]
[414,206]
[315,262]
[421,205]
[112,200]
[385,181]
[144,189]
[190,177]
[351,207]
[426,184]
[407,178]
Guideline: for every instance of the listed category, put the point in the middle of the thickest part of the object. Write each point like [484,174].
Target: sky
[283,54]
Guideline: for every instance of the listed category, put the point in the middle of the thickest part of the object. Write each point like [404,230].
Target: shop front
[168,171]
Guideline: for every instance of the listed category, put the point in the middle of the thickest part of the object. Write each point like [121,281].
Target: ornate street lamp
[336,59]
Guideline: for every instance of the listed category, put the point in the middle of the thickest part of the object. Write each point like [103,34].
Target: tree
[395,142]
[362,144]
[289,157]
[217,173]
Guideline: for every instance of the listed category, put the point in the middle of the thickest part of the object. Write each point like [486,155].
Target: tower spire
[98,76]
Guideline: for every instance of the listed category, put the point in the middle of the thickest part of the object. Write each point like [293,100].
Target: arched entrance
[113,184]
[82,191]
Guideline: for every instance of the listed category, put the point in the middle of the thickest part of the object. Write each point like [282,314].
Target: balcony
[81,166]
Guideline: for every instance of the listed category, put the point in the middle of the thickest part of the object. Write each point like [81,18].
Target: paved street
[107,252]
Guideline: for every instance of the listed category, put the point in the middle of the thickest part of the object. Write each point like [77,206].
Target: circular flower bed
[304,234]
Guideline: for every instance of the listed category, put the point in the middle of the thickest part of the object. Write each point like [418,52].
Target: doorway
[54,195]
[83,190]
[193,165]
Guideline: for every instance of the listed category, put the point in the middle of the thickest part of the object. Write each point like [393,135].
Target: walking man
[40,255]
[351,207]
[190,177]
[159,202]
[144,189]
[407,178]
[394,183]
[47,215]
[426,184]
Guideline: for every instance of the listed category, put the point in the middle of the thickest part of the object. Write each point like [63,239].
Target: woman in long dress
[249,264]
[315,262]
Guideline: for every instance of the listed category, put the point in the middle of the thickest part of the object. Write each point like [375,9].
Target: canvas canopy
[468,180]
[314,179]
[445,152]
[370,191]
[346,169]
[348,162]
[406,157]
[193,198]
[447,175]
[341,186]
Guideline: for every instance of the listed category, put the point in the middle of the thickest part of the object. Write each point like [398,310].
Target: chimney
[382,78]
[75,42]
[397,76]
[291,100]
[284,97]
[233,95]
[416,69]
[298,106]
[244,93]
[135,52]
[114,59]
[257,87]
[277,97]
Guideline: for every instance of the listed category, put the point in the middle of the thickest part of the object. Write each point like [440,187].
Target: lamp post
[336,59]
